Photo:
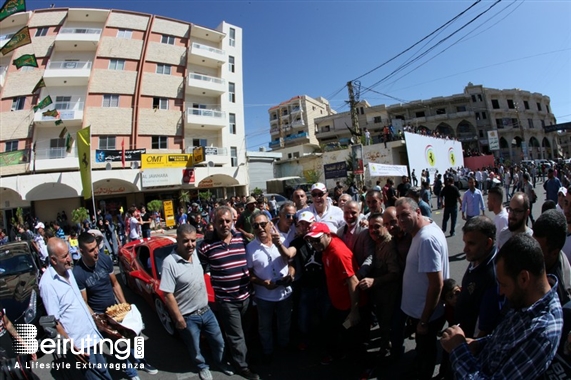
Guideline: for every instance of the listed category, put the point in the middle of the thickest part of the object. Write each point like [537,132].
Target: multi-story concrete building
[140,81]
[518,116]
[292,128]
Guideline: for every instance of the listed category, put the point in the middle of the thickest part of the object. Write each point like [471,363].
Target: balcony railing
[208,48]
[206,78]
[274,143]
[298,136]
[206,112]
[70,65]
[210,150]
[298,123]
[80,31]
[66,111]
[54,153]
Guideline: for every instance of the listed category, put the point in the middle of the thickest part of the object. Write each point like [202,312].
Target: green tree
[205,195]
[257,192]
[183,198]
[155,205]
[79,215]
[312,176]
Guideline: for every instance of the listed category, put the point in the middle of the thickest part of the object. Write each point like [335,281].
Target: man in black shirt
[450,200]
[146,225]
[403,187]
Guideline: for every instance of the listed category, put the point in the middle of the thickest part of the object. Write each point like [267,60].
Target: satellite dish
[210,164]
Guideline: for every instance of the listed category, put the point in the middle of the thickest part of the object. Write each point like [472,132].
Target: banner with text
[114,155]
[383,170]
[432,153]
[336,170]
[161,161]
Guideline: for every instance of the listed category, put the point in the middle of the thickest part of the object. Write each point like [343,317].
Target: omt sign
[159,161]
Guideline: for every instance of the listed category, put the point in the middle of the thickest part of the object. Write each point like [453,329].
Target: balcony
[295,138]
[67,73]
[55,158]
[72,114]
[274,130]
[4,38]
[274,121]
[205,85]
[205,55]
[277,143]
[210,119]
[298,123]
[78,39]
[217,155]
[295,110]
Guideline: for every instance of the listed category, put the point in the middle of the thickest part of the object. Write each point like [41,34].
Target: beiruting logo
[120,348]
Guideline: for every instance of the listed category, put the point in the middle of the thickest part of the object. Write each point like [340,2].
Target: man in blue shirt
[551,186]
[525,342]
[472,201]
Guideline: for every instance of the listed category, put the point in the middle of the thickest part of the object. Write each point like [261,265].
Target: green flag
[68,143]
[21,38]
[63,132]
[59,122]
[43,104]
[11,7]
[26,60]
[52,113]
[84,158]
[39,85]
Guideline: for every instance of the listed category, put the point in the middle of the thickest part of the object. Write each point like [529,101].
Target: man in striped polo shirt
[224,250]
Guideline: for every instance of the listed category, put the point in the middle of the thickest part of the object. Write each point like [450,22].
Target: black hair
[185,229]
[521,252]
[85,238]
[548,205]
[448,285]
[497,191]
[481,224]
[552,225]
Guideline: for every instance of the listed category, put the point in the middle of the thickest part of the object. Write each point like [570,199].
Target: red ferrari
[140,265]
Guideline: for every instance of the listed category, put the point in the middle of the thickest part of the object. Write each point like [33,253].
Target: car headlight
[30,312]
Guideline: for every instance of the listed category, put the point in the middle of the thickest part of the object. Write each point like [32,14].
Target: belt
[199,311]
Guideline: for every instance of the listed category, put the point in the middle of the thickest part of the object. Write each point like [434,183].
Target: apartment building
[143,82]
[519,117]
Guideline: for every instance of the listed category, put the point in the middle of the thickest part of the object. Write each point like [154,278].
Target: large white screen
[432,153]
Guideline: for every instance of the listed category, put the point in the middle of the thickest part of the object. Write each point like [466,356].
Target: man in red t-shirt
[342,287]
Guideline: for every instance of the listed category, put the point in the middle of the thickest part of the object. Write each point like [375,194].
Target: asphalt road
[170,356]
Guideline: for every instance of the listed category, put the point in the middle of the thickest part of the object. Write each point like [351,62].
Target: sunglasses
[316,195]
[314,240]
[258,225]
[290,216]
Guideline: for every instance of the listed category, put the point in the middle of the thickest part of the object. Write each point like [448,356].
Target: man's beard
[517,225]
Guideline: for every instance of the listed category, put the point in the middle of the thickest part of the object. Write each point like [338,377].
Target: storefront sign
[336,170]
[163,177]
[198,153]
[493,140]
[168,208]
[115,155]
[109,190]
[161,161]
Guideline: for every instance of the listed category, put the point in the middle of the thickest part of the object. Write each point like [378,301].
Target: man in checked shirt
[525,342]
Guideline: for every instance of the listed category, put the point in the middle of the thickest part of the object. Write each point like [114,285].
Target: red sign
[188,176]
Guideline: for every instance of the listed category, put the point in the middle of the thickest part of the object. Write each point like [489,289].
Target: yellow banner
[159,161]
[169,213]
[198,153]
[84,157]
[20,38]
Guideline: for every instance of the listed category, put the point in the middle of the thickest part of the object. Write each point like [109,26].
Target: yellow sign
[169,213]
[160,161]
[198,153]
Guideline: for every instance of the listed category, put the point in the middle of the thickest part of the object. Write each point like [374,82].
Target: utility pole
[353,108]
[356,149]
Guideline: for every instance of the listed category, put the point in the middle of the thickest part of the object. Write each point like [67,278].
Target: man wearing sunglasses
[286,223]
[324,211]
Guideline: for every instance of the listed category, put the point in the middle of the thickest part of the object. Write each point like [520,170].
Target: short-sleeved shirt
[339,265]
[450,194]
[230,277]
[333,217]
[267,264]
[185,280]
[428,253]
[96,282]
[146,217]
[133,228]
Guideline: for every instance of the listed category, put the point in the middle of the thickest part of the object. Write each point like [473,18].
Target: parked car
[19,280]
[462,183]
[280,199]
[140,265]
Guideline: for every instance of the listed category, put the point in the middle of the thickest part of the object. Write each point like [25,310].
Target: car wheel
[164,316]
[123,275]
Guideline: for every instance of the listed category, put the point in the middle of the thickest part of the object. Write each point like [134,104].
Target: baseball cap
[319,186]
[563,191]
[40,225]
[318,229]
[306,216]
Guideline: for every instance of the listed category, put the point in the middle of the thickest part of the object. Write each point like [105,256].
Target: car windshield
[15,264]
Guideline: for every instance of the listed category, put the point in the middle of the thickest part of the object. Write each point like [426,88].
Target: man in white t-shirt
[324,211]
[425,271]
[495,204]
[133,228]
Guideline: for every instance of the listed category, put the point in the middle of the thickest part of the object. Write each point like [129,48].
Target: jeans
[99,370]
[427,349]
[311,301]
[450,212]
[266,310]
[146,233]
[507,189]
[232,315]
[208,325]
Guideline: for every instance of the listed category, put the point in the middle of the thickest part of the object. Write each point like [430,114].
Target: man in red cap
[342,286]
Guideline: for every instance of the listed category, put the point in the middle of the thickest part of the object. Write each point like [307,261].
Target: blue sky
[314,47]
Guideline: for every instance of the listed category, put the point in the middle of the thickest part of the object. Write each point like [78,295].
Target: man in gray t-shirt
[182,280]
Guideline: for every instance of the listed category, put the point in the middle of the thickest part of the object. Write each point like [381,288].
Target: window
[362,110]
[110,100]
[234,156]
[515,123]
[106,142]
[461,109]
[530,123]
[547,109]
[473,98]
[159,142]
[499,124]
[199,142]
[41,32]
[163,69]
[57,148]
[441,111]
[232,37]
[124,33]
[538,106]
[495,104]
[63,103]
[18,103]
[232,92]
[232,123]
[511,104]
[479,97]
[11,146]
[481,133]
[117,64]
[420,114]
[477,114]
[160,103]
[231,66]
[377,119]
[484,116]
[542,123]
[526,104]
[169,40]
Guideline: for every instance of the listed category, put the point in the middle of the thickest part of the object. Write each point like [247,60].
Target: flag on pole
[39,85]
[52,113]
[63,132]
[26,60]
[84,157]
[123,153]
[59,122]
[43,104]
[68,143]
[21,38]
[12,6]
